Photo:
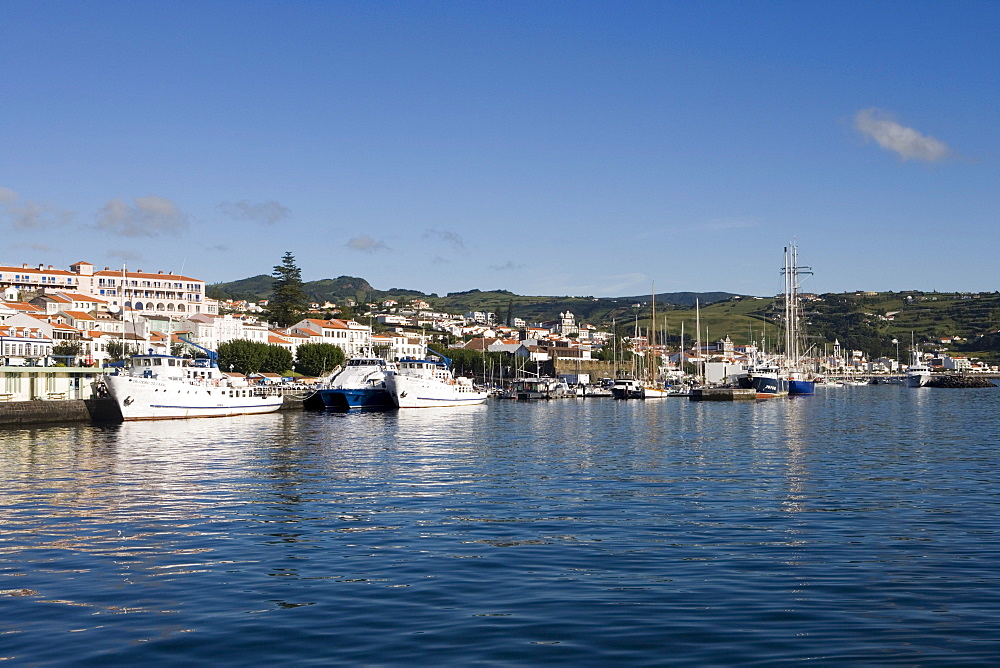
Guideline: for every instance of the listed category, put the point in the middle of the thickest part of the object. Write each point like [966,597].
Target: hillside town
[84,318]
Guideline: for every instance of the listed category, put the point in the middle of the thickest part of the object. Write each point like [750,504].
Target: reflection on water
[857,525]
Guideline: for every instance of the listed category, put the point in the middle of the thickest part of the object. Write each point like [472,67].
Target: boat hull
[801,387]
[156,399]
[345,399]
[418,392]
[766,386]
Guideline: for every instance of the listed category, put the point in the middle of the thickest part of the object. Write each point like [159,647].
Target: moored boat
[918,374]
[798,381]
[529,389]
[630,388]
[430,383]
[164,387]
[360,384]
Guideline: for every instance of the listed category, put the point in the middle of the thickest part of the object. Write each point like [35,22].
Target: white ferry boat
[428,383]
[164,387]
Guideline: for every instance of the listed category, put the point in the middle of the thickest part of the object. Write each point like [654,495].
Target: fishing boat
[430,383]
[766,379]
[359,385]
[165,387]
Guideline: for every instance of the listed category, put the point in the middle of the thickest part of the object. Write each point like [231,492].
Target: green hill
[859,321]
[529,308]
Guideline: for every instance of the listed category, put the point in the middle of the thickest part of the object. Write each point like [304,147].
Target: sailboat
[648,387]
[799,382]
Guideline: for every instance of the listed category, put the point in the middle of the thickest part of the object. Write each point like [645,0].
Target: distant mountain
[686,299]
[251,289]
[256,288]
[502,302]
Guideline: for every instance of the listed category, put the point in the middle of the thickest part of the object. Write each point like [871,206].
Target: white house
[398,346]
[351,337]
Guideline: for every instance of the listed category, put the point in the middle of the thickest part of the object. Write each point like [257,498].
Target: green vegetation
[317,359]
[249,357]
[505,304]
[288,299]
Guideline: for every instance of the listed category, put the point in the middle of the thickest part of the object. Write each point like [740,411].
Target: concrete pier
[722,394]
[18,413]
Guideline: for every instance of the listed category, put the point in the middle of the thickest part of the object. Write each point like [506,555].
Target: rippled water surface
[857,526]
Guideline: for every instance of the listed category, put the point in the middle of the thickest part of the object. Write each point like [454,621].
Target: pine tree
[288,299]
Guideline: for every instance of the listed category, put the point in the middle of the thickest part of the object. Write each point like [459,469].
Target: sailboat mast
[697,334]
[652,336]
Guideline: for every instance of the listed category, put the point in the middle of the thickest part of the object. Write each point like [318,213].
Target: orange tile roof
[145,275]
[79,315]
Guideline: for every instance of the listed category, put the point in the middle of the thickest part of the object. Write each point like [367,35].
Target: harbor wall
[17,413]
[565,365]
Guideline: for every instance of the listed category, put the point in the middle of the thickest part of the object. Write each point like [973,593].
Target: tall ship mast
[798,382]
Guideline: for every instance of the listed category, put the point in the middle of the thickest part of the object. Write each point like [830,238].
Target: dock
[722,394]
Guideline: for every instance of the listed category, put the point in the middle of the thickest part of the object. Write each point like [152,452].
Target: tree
[317,359]
[119,350]
[240,355]
[67,351]
[279,360]
[288,298]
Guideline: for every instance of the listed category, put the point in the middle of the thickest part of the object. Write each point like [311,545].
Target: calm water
[857,526]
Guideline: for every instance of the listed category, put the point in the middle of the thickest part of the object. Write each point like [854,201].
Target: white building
[397,346]
[351,337]
[210,330]
[163,292]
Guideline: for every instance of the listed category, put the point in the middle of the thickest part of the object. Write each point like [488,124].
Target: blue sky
[548,148]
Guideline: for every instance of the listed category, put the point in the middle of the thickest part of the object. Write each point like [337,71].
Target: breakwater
[953,381]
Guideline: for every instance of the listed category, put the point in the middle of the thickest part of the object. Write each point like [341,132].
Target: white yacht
[164,387]
[918,373]
[629,388]
[428,383]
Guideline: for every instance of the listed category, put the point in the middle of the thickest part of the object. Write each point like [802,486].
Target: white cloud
[149,217]
[267,213]
[28,215]
[905,142]
[450,237]
[125,255]
[366,244]
[44,248]
[507,266]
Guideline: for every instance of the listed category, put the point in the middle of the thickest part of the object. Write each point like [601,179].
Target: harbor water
[857,526]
